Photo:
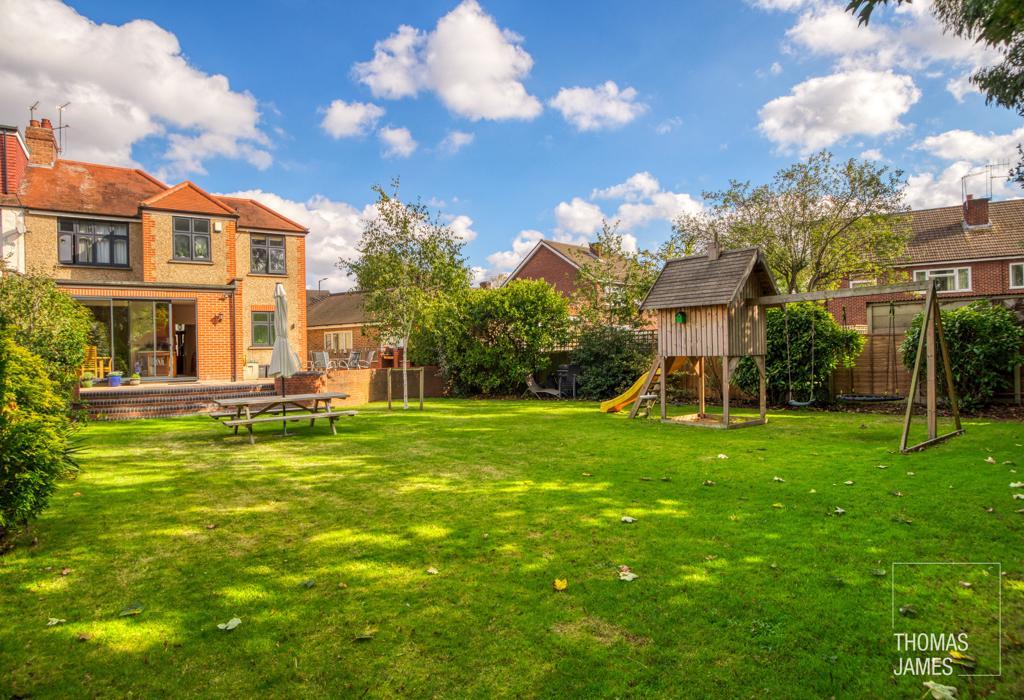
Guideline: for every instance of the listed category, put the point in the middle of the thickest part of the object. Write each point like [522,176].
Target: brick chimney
[976,211]
[13,159]
[714,251]
[42,145]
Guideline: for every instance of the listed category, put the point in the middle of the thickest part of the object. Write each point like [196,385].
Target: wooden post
[928,302]
[664,411]
[701,397]
[725,390]
[421,388]
[1016,385]
[954,403]
[762,385]
[930,373]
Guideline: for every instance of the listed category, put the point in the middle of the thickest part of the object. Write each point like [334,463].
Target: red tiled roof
[256,215]
[338,309]
[88,188]
[187,197]
[939,234]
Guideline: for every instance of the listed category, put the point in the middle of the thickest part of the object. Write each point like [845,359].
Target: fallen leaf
[83,637]
[229,625]
[308,583]
[900,518]
[990,460]
[813,491]
[734,518]
[1018,496]
[989,509]
[211,526]
[627,576]
[910,473]
[666,478]
[77,493]
[561,584]
[710,557]
[777,505]
[897,494]
[646,478]
[778,479]
[432,571]
[838,511]
[131,610]
[342,585]
[1017,484]
[908,611]
[65,571]
[708,482]
[366,635]
[848,483]
[882,466]
[587,474]
[939,691]
[53,621]
[879,572]
[627,519]
[966,584]
[722,456]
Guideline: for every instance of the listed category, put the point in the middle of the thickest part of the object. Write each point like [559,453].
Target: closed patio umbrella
[283,360]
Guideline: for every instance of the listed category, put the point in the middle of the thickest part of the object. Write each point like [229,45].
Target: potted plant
[135,379]
[114,379]
[87,378]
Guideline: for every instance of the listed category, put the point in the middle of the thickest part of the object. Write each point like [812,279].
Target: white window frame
[1021,266]
[954,272]
[863,282]
[334,340]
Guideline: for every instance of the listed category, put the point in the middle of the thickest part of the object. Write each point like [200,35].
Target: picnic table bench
[253,410]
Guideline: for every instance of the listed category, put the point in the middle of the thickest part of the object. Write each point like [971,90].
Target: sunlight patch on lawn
[347,536]
[430,532]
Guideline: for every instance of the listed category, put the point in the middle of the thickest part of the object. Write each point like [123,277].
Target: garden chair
[540,392]
[371,355]
[352,362]
[321,361]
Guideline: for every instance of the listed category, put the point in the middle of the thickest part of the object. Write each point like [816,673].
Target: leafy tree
[984,342]
[817,221]
[611,358]
[610,289]
[47,322]
[35,434]
[998,24]
[407,260]
[488,340]
[790,343]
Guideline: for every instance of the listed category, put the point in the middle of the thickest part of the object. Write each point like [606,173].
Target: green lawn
[746,588]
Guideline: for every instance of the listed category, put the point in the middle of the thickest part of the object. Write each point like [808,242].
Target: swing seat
[869,398]
[800,404]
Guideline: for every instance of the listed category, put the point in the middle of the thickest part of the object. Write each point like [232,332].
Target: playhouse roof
[700,281]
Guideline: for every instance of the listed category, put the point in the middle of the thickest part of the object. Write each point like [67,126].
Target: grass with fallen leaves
[417,553]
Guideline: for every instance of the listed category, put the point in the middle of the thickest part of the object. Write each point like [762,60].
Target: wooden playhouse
[707,309]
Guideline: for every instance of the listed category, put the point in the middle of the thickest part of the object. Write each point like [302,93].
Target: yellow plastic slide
[629,395]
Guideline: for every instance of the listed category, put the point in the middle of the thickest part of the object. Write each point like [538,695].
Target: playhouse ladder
[650,392]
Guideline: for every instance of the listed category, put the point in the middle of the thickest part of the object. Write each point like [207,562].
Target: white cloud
[961,144]
[455,141]
[578,216]
[462,226]
[523,243]
[871,154]
[334,231]
[943,189]
[668,125]
[125,83]
[602,107]
[398,142]
[822,111]
[473,66]
[638,186]
[780,5]
[833,30]
[775,68]
[662,206]
[343,119]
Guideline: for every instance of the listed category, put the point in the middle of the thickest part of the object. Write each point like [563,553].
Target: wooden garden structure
[714,306]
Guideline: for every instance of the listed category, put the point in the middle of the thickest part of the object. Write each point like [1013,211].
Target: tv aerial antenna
[32,110]
[988,173]
[61,126]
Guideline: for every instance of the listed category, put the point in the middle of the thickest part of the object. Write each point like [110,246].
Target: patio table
[248,410]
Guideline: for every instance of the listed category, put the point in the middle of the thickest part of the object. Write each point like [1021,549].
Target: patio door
[150,338]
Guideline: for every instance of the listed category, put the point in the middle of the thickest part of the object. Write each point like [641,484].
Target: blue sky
[516,120]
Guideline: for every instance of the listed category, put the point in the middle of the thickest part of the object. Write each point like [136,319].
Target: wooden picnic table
[249,410]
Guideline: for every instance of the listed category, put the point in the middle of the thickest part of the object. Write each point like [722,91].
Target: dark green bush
[487,341]
[47,322]
[984,342]
[35,434]
[833,346]
[610,359]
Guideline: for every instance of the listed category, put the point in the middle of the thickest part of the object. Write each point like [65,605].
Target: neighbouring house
[556,263]
[337,324]
[974,251]
[180,282]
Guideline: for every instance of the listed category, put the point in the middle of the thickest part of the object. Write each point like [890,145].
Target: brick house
[180,282]
[556,263]
[974,251]
[336,323]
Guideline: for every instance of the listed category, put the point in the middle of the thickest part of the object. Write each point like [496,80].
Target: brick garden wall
[364,385]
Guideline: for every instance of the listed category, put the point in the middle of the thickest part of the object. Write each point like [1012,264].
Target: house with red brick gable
[180,282]
[338,325]
[973,251]
[556,263]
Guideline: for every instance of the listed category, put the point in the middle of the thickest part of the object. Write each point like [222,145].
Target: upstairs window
[191,239]
[103,243]
[263,329]
[266,255]
[338,341]
[954,279]
[1016,275]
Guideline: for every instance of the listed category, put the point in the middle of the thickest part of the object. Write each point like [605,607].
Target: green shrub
[610,360]
[35,434]
[984,342]
[833,346]
[47,322]
[488,340]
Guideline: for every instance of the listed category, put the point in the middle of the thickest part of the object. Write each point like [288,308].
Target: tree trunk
[405,373]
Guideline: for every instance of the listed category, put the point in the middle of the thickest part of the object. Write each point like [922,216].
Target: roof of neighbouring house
[74,187]
[700,281]
[575,255]
[338,309]
[940,236]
